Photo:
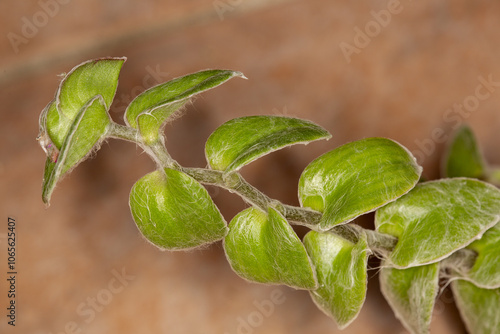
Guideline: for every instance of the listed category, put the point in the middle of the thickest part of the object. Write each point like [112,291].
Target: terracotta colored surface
[400,85]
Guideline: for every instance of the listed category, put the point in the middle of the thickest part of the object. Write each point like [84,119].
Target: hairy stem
[235,183]
[119,131]
[156,151]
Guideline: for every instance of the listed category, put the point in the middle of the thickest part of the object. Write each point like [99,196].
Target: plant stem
[159,153]
[157,150]
[119,131]
[380,242]
[235,183]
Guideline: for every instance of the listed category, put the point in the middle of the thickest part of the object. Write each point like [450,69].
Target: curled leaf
[437,218]
[77,120]
[357,178]
[87,130]
[262,247]
[411,293]
[240,141]
[341,272]
[92,78]
[152,108]
[173,211]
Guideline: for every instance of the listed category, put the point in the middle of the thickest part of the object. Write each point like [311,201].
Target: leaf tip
[240,74]
[46,194]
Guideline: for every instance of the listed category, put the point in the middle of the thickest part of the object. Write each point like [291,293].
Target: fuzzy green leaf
[240,141]
[150,122]
[341,272]
[438,217]
[87,130]
[81,84]
[173,211]
[464,158]
[479,308]
[485,272]
[264,248]
[411,293]
[150,109]
[357,178]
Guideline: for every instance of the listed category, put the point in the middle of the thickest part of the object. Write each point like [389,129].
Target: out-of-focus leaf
[341,272]
[437,218]
[87,130]
[240,141]
[479,308]
[411,293]
[357,178]
[264,248]
[173,211]
[464,158]
[150,109]
[493,176]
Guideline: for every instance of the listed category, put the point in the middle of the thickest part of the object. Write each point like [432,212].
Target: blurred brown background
[404,73]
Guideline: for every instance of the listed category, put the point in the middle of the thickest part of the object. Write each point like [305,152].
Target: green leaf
[87,130]
[264,248]
[341,271]
[463,157]
[437,218]
[493,176]
[81,84]
[485,272]
[150,109]
[240,141]
[150,122]
[173,211]
[478,307]
[357,178]
[411,293]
